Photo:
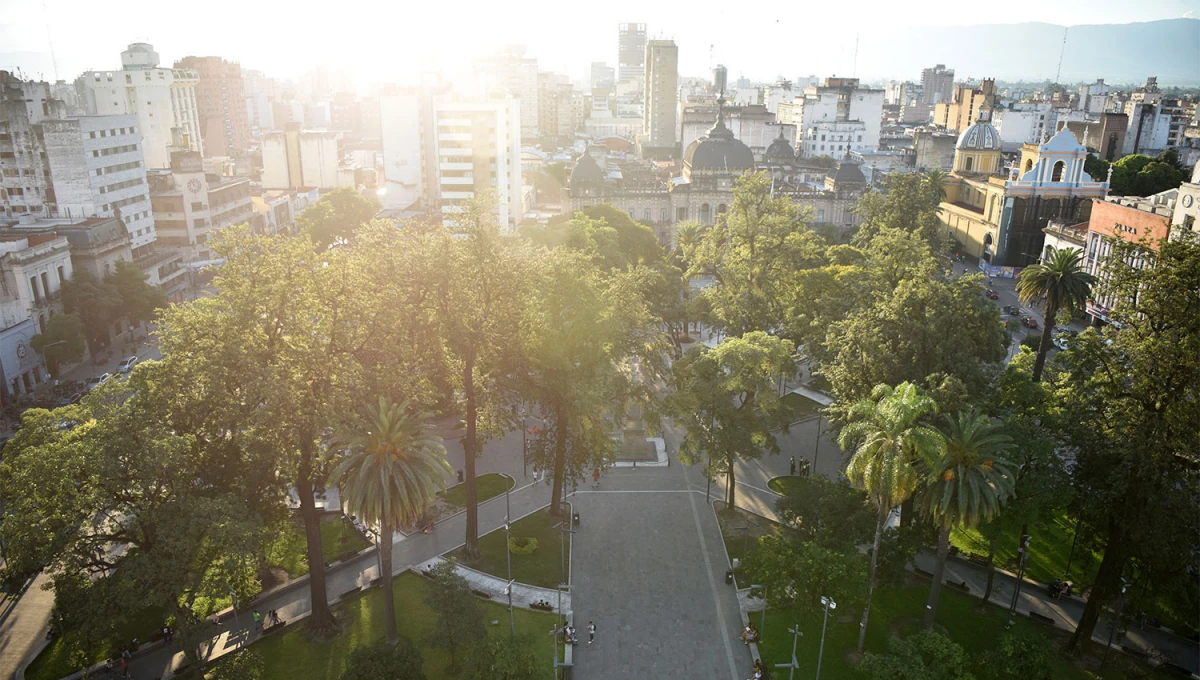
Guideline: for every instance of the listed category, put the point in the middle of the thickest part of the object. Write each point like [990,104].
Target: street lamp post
[237,622]
[746,536]
[524,441]
[795,631]
[1112,628]
[829,604]
[817,444]
[512,630]
[763,622]
[1022,559]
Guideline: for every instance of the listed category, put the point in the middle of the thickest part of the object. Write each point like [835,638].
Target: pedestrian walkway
[292,600]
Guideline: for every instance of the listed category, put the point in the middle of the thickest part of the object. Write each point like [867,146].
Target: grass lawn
[338,536]
[1048,551]
[53,662]
[542,568]
[801,406]
[735,539]
[820,384]
[486,486]
[782,485]
[291,654]
[898,612]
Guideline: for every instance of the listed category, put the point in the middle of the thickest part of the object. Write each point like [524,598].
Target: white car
[95,380]
[1061,341]
[127,365]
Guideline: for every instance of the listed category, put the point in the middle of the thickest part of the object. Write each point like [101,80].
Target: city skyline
[395,50]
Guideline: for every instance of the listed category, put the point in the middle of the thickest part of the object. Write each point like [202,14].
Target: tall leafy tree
[337,216]
[935,181]
[391,472]
[62,342]
[458,620]
[1063,283]
[503,658]
[726,401]
[966,485]
[908,202]
[95,302]
[138,299]
[920,656]
[888,435]
[399,661]
[481,295]
[1130,410]
[594,349]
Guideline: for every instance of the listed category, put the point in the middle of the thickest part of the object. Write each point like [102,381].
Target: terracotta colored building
[220,100]
[1136,220]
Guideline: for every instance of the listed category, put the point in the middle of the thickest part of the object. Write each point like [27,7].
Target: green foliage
[608,236]
[799,573]
[908,203]
[61,328]
[920,656]
[897,548]
[381,661]
[1018,656]
[337,216]
[519,545]
[971,479]
[247,664]
[1062,281]
[1138,175]
[95,302]
[138,300]
[726,399]
[501,658]
[832,514]
[459,618]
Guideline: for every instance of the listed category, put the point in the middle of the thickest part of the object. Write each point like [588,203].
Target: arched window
[970,163]
[1028,166]
[705,214]
[665,215]
[647,215]
[1056,175]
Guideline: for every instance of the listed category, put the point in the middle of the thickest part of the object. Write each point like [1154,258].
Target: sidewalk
[292,601]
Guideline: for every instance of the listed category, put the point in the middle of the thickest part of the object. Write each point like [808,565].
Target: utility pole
[829,604]
[512,628]
[795,631]
[1022,558]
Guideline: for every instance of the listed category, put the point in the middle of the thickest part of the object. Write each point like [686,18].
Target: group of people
[759,670]
[749,634]
[272,619]
[126,656]
[571,638]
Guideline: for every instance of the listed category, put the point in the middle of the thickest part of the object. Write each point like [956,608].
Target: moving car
[1012,310]
[1029,322]
[127,365]
[73,399]
[992,295]
[95,380]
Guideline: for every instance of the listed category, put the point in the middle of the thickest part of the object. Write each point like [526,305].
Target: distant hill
[1119,53]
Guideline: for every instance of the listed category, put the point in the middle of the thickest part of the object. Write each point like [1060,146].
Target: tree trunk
[560,461]
[1044,346]
[321,621]
[871,579]
[935,588]
[470,451]
[1106,587]
[385,561]
[991,573]
[731,484]
[906,512]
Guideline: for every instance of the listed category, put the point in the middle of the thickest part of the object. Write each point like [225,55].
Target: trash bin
[575,518]
[729,576]
[460,477]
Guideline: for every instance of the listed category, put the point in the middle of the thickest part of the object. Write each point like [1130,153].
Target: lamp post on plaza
[512,630]
[746,537]
[1022,558]
[795,631]
[829,604]
[763,622]
[1112,627]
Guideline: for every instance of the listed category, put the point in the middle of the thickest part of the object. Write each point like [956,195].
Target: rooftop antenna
[854,69]
[53,58]
[1060,55]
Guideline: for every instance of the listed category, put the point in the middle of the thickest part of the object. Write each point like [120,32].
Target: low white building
[840,113]
[295,158]
[32,271]
[1187,206]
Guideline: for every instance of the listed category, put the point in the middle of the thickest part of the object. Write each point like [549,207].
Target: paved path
[24,618]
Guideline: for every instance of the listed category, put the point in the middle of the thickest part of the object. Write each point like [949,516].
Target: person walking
[596,478]
[591,632]
[257,619]
[793,466]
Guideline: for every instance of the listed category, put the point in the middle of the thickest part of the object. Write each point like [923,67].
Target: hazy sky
[386,41]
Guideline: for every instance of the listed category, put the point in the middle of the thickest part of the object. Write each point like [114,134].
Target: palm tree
[967,484]
[390,473]
[687,235]
[888,435]
[935,179]
[1065,285]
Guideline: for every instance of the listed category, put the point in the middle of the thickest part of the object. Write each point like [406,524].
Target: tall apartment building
[509,72]
[220,101]
[96,170]
[403,118]
[295,158]
[1093,98]
[661,98]
[971,105]
[834,119]
[937,84]
[631,53]
[556,108]
[603,77]
[477,147]
[190,206]
[163,99]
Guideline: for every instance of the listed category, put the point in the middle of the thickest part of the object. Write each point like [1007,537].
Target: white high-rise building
[402,120]
[836,118]
[661,97]
[163,99]
[509,72]
[477,145]
[96,170]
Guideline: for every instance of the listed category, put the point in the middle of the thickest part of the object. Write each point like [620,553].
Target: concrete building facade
[631,53]
[295,158]
[220,102]
[163,99]
[969,106]
[190,206]
[1143,221]
[509,72]
[937,84]
[33,267]
[661,94]
[835,118]
[477,147]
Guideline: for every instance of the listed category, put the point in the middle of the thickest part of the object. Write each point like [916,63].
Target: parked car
[73,399]
[127,365]
[1060,341]
[95,380]
[1029,322]
[1012,310]
[992,295]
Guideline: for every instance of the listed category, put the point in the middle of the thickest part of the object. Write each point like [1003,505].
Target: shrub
[519,545]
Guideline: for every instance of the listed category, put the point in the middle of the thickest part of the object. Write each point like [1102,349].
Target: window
[970,163]
[61,277]
[1057,174]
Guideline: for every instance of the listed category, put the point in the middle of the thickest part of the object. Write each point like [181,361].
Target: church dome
[586,170]
[719,150]
[979,137]
[780,149]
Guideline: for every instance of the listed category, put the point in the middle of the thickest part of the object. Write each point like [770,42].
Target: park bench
[922,572]
[1041,618]
[267,630]
[1134,652]
[350,592]
[961,585]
